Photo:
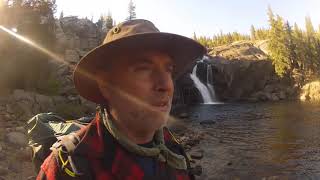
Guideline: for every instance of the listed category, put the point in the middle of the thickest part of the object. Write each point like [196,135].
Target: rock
[14,167]
[207,122]
[282,95]
[31,177]
[71,56]
[17,138]
[269,88]
[10,108]
[58,100]
[239,50]
[2,156]
[21,129]
[268,96]
[3,171]
[274,97]
[198,154]
[25,108]
[2,107]
[183,115]
[311,92]
[45,102]
[25,154]
[20,95]
[197,170]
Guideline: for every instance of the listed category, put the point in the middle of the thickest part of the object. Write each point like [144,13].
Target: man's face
[139,89]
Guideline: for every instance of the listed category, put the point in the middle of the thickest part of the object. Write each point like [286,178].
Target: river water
[258,140]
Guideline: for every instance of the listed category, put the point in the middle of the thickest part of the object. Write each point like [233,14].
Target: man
[131,76]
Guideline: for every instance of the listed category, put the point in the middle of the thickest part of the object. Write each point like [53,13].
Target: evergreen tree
[131,11]
[194,36]
[290,45]
[61,15]
[109,22]
[253,33]
[277,45]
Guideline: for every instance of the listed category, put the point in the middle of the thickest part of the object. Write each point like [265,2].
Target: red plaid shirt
[101,157]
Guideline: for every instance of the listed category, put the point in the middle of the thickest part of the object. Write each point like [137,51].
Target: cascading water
[207,91]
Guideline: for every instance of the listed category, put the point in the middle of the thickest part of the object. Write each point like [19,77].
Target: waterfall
[210,82]
[207,91]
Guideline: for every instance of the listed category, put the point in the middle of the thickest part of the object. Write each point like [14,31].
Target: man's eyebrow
[142,60]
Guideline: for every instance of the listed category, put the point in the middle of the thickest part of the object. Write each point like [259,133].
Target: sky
[204,17]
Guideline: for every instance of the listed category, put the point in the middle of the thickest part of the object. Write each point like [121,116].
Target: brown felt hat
[125,38]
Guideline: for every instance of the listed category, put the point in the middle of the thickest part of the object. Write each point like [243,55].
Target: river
[258,140]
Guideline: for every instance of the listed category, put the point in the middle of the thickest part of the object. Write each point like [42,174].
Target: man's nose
[162,81]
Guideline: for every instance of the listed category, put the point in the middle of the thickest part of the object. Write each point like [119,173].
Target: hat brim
[184,51]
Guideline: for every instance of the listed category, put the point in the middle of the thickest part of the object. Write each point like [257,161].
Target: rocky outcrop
[15,110]
[311,92]
[240,50]
[74,38]
[22,105]
[238,79]
[75,33]
[241,72]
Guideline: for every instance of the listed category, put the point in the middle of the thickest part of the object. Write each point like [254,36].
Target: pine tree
[277,45]
[131,11]
[311,51]
[253,33]
[109,22]
[290,45]
[194,36]
[61,15]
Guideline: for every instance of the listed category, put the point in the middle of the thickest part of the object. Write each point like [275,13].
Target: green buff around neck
[159,150]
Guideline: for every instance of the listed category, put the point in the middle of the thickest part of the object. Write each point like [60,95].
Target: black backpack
[45,129]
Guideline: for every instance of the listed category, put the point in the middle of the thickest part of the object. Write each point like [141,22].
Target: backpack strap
[176,144]
[72,165]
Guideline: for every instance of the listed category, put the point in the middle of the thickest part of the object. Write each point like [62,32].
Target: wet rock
[207,122]
[17,138]
[183,115]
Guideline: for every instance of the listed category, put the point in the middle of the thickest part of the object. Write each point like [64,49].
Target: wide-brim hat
[125,38]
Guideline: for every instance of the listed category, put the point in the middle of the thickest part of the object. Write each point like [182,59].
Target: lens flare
[59,59]
[33,44]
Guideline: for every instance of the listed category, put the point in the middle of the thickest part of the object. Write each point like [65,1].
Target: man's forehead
[149,57]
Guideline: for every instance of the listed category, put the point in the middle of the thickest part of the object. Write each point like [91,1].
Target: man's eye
[142,68]
[170,69]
